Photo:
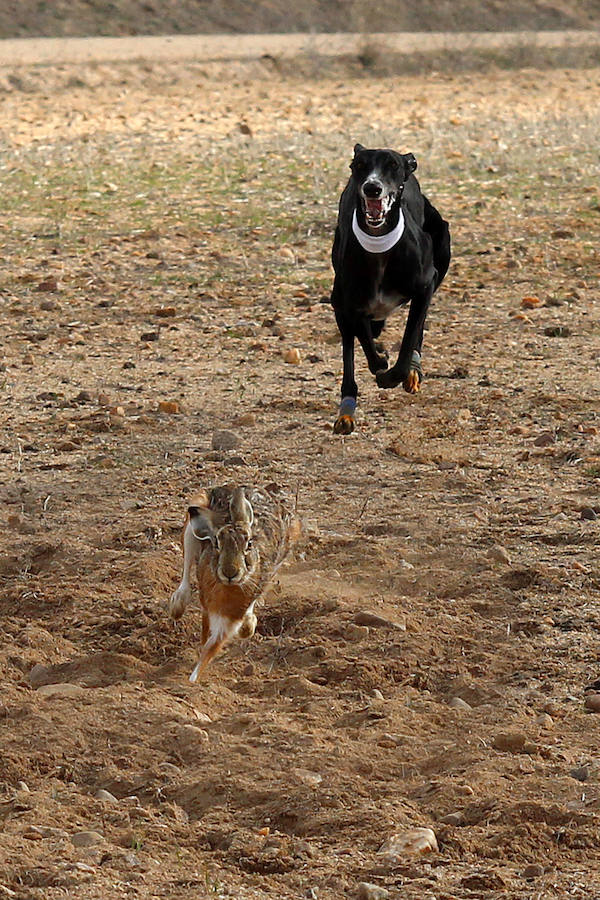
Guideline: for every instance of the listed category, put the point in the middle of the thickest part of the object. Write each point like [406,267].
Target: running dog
[391,247]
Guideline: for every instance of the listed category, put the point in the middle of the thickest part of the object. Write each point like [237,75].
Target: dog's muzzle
[376,205]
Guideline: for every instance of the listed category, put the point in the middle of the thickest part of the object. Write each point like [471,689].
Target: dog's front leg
[344,424]
[407,368]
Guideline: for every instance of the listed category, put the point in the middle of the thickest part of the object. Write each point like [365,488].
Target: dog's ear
[358,148]
[410,163]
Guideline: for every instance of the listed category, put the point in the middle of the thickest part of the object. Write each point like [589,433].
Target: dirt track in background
[166,240]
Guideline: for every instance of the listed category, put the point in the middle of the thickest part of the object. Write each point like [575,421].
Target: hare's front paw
[248,626]
[179,600]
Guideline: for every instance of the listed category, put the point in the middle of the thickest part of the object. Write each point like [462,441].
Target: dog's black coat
[369,285]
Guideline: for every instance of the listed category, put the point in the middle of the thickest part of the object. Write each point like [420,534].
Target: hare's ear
[241,509]
[201,522]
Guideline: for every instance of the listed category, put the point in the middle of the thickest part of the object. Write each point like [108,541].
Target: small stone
[356,633]
[117,411]
[225,440]
[192,732]
[531,302]
[170,769]
[39,832]
[545,439]
[581,773]
[592,702]
[246,419]
[150,336]
[459,703]
[61,690]
[105,796]
[368,891]
[454,819]
[498,554]
[84,397]
[544,721]
[557,331]
[510,741]
[589,513]
[165,312]
[375,621]
[28,360]
[412,842]
[292,356]
[38,675]
[86,838]
[376,694]
[22,786]
[170,407]
[532,871]
[49,305]
[48,284]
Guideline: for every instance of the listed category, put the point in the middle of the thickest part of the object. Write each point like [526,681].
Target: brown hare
[236,538]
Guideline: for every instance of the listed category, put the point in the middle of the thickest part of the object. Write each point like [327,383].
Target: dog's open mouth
[376,209]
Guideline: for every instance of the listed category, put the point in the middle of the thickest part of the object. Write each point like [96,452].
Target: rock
[246,419]
[165,312]
[498,554]
[22,786]
[376,694]
[356,633]
[592,702]
[368,891]
[49,284]
[510,742]
[171,407]
[49,305]
[454,818]
[170,769]
[530,302]
[225,440]
[38,675]
[292,356]
[375,621]
[544,721]
[105,796]
[532,871]
[150,336]
[28,359]
[459,703]
[60,690]
[589,513]
[581,773]
[87,838]
[412,842]
[557,331]
[193,733]
[41,832]
[545,439]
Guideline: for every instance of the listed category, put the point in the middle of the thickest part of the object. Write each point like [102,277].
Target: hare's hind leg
[183,595]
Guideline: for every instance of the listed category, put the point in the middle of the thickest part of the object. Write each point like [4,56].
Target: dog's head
[380,176]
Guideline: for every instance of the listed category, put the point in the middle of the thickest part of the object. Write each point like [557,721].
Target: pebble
[38,675]
[171,407]
[372,619]
[149,336]
[60,690]
[581,773]
[165,312]
[530,302]
[106,796]
[513,742]
[544,720]
[498,554]
[368,891]
[545,439]
[39,832]
[192,732]
[356,633]
[170,769]
[48,305]
[412,842]
[48,284]
[376,694]
[557,331]
[292,356]
[225,440]
[22,786]
[459,703]
[589,513]
[28,360]
[454,818]
[592,702]
[86,838]
[247,419]
[533,870]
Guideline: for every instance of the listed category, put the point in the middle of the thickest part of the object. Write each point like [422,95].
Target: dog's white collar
[378,243]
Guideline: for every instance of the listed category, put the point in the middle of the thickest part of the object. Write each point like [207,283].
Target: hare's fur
[235,539]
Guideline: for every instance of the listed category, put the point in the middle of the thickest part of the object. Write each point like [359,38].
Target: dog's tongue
[374,207]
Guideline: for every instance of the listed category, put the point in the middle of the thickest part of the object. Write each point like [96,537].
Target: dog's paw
[178,602]
[343,425]
[387,379]
[412,382]
[379,364]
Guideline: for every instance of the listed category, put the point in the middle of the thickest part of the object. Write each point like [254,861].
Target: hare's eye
[249,545]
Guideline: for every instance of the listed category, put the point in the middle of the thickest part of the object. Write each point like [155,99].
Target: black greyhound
[391,247]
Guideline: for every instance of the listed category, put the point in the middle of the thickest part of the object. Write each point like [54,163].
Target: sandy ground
[465,518]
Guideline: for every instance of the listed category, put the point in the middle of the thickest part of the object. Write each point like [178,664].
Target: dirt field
[165,238]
